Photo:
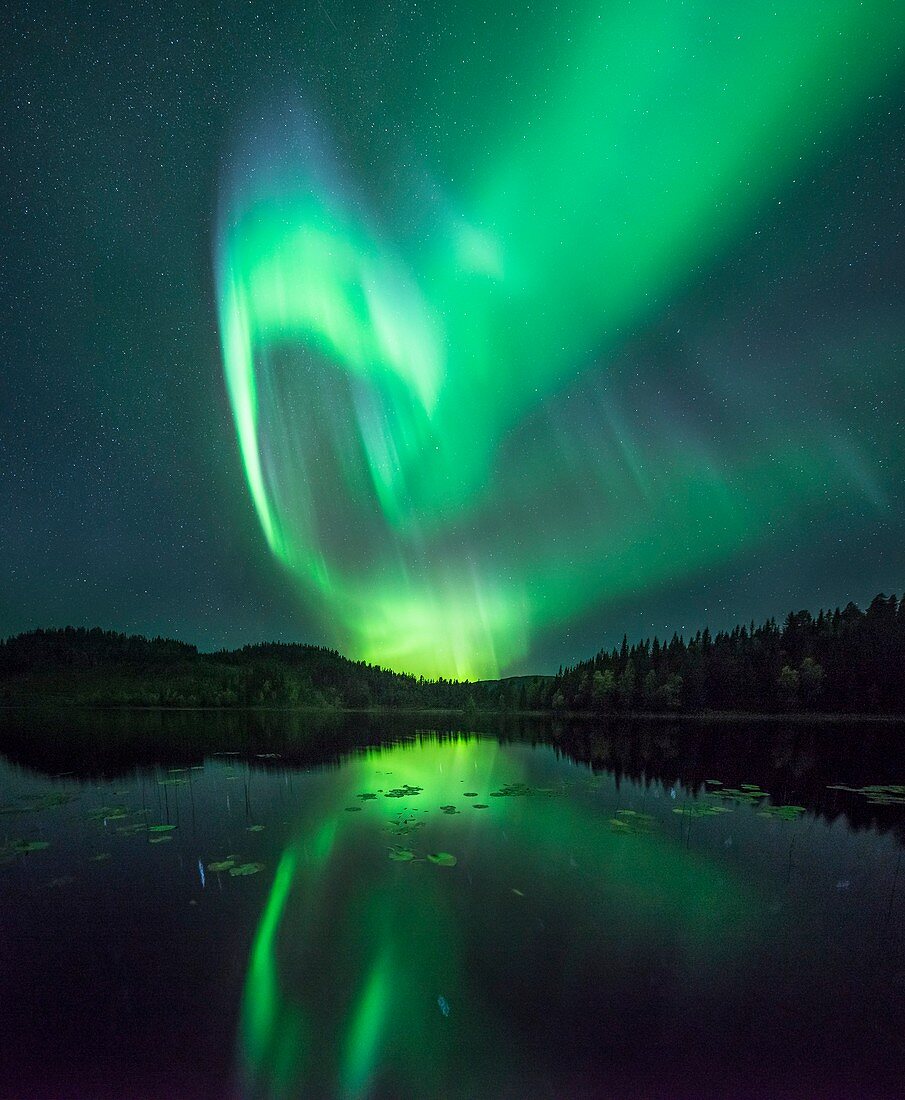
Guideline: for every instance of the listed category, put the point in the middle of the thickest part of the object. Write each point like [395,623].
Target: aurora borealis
[463,341]
[400,367]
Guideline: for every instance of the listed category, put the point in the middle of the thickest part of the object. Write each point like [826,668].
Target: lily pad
[353,809]
[449,809]
[161,828]
[404,825]
[633,821]
[701,809]
[877,794]
[405,791]
[161,839]
[366,796]
[222,865]
[784,813]
[109,813]
[244,869]
[41,802]
[746,793]
[443,859]
[481,806]
[255,829]
[23,847]
[512,790]
[51,799]
[401,855]
[470,794]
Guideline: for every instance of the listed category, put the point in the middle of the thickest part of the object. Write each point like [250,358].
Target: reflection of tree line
[796,763]
[844,661]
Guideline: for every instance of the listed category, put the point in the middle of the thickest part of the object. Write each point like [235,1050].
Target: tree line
[842,661]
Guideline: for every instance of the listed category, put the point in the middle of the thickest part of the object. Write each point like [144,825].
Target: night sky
[462,340]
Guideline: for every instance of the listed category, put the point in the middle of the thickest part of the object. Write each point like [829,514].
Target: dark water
[246,905]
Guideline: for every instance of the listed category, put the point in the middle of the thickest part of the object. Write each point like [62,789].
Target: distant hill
[841,661]
[95,666]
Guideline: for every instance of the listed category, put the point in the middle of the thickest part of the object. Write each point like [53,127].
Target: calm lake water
[269,905]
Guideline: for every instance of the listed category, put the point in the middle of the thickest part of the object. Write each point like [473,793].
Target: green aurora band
[400,369]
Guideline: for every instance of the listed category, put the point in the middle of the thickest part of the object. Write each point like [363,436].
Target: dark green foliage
[97,667]
[845,661]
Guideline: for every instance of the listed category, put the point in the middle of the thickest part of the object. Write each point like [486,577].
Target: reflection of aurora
[405,377]
[353,951]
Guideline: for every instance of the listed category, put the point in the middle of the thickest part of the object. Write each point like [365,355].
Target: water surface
[264,905]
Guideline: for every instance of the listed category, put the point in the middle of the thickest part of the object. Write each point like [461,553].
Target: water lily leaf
[401,855]
[481,806]
[108,813]
[784,813]
[734,794]
[631,821]
[701,809]
[255,829]
[353,809]
[51,799]
[470,794]
[443,859]
[159,839]
[366,796]
[405,791]
[246,869]
[449,809]
[23,847]
[223,865]
[511,790]
[161,828]
[714,782]
[877,794]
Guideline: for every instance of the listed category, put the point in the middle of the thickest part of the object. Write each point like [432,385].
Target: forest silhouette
[845,661]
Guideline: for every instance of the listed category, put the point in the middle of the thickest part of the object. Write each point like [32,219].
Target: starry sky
[462,340]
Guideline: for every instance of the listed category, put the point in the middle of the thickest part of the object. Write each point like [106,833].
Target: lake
[272,904]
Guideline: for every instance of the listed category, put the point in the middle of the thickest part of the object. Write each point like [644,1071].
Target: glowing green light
[399,397]
[354,950]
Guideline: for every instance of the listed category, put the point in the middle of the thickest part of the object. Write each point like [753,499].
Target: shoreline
[802,717]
